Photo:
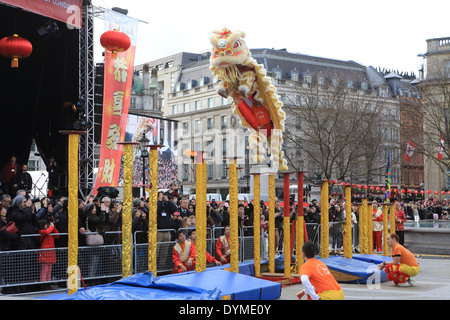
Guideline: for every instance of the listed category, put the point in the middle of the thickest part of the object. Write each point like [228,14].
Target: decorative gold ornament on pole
[271,223]
[127,207]
[200,213]
[256,223]
[234,221]
[153,209]
[72,267]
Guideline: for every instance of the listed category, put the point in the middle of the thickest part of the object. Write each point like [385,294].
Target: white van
[209,197]
[250,197]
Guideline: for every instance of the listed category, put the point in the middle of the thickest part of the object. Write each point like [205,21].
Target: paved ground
[432,282]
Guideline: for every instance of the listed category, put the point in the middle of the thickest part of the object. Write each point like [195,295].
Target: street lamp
[143,141]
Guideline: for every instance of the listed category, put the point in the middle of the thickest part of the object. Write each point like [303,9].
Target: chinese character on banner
[108,170]
[120,70]
[113,137]
[118,103]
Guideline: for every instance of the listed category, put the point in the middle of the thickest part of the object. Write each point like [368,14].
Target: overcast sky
[381,33]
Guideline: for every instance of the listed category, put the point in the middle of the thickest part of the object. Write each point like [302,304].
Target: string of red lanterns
[378,189]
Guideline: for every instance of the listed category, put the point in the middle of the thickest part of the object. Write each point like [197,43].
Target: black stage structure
[37,99]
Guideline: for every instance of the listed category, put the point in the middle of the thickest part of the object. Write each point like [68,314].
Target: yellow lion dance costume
[254,97]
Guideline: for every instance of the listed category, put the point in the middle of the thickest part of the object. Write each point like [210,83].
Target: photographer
[52,169]
[23,180]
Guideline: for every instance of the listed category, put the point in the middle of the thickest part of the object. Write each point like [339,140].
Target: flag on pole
[409,150]
[441,148]
[388,178]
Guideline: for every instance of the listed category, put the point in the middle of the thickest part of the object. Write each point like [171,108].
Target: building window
[321,80]
[224,147]
[186,107]
[174,109]
[210,102]
[185,172]
[223,122]
[197,105]
[277,74]
[364,85]
[197,126]
[185,128]
[294,76]
[307,79]
[349,84]
[210,123]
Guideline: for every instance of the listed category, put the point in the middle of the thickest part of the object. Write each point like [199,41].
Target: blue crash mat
[354,271]
[234,286]
[373,258]
[144,286]
[211,284]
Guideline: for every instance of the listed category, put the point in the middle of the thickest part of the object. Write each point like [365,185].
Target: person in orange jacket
[209,258]
[223,246]
[183,254]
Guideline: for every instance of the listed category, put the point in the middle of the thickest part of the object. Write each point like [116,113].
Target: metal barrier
[19,268]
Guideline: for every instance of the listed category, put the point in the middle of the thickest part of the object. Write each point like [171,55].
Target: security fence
[101,264]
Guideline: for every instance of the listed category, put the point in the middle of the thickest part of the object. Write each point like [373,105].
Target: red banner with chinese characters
[68,11]
[116,101]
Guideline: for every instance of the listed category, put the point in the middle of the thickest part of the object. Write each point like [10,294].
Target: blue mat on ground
[355,271]
[373,258]
[143,286]
[211,284]
[235,285]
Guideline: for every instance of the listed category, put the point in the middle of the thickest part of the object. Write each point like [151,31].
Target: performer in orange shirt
[183,254]
[403,265]
[209,258]
[223,246]
[317,280]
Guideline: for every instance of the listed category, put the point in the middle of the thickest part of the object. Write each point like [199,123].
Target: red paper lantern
[378,189]
[383,189]
[396,190]
[115,41]
[372,187]
[443,193]
[15,48]
[336,182]
[436,192]
[428,191]
[359,186]
[365,187]
[403,190]
[416,192]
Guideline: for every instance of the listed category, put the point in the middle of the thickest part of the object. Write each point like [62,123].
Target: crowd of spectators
[48,217]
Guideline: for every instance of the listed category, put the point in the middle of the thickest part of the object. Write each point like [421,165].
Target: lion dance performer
[183,254]
[404,264]
[255,100]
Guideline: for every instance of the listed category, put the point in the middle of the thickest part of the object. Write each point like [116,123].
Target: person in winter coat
[47,258]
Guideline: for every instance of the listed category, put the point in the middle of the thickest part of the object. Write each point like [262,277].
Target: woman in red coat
[47,258]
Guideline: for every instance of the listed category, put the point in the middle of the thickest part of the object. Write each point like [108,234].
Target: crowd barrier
[100,264]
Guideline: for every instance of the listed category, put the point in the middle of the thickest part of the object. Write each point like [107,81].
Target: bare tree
[333,129]
[435,114]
